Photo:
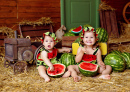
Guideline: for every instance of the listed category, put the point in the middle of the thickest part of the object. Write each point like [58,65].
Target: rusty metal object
[16,51]
[27,55]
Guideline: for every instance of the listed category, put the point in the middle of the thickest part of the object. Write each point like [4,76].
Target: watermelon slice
[77,30]
[59,70]
[88,69]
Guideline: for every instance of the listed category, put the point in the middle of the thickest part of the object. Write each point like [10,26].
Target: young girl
[90,47]
[47,54]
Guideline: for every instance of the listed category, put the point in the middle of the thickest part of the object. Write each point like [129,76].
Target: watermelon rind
[88,73]
[77,30]
[57,75]
[117,63]
[67,59]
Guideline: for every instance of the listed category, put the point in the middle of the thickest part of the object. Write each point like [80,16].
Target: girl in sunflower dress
[47,57]
[89,51]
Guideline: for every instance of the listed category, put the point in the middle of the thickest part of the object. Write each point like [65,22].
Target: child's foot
[67,74]
[105,76]
[47,79]
[77,78]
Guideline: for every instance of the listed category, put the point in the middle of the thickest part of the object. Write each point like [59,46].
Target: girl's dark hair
[96,43]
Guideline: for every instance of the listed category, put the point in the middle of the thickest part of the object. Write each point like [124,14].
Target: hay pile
[7,31]
[41,21]
[123,42]
[104,6]
[31,82]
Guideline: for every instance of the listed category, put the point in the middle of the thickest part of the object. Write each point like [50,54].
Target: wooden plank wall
[14,11]
[8,12]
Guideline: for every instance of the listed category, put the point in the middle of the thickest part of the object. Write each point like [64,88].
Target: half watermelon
[77,30]
[88,69]
[59,70]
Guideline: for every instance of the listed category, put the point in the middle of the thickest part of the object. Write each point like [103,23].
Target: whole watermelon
[115,61]
[67,59]
[116,52]
[69,34]
[102,35]
[78,40]
[72,29]
[86,25]
[80,33]
[126,56]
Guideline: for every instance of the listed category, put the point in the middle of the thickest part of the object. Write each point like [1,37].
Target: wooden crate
[108,21]
[34,31]
[68,40]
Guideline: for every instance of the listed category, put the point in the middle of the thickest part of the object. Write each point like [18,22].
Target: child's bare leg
[105,72]
[42,73]
[74,72]
[67,74]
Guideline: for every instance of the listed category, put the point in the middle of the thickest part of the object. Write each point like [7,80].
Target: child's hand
[66,50]
[51,68]
[102,65]
[83,49]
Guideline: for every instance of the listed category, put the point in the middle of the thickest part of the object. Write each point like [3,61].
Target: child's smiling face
[48,43]
[89,38]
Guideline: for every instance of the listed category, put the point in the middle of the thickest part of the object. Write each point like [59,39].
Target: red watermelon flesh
[89,66]
[59,70]
[77,30]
